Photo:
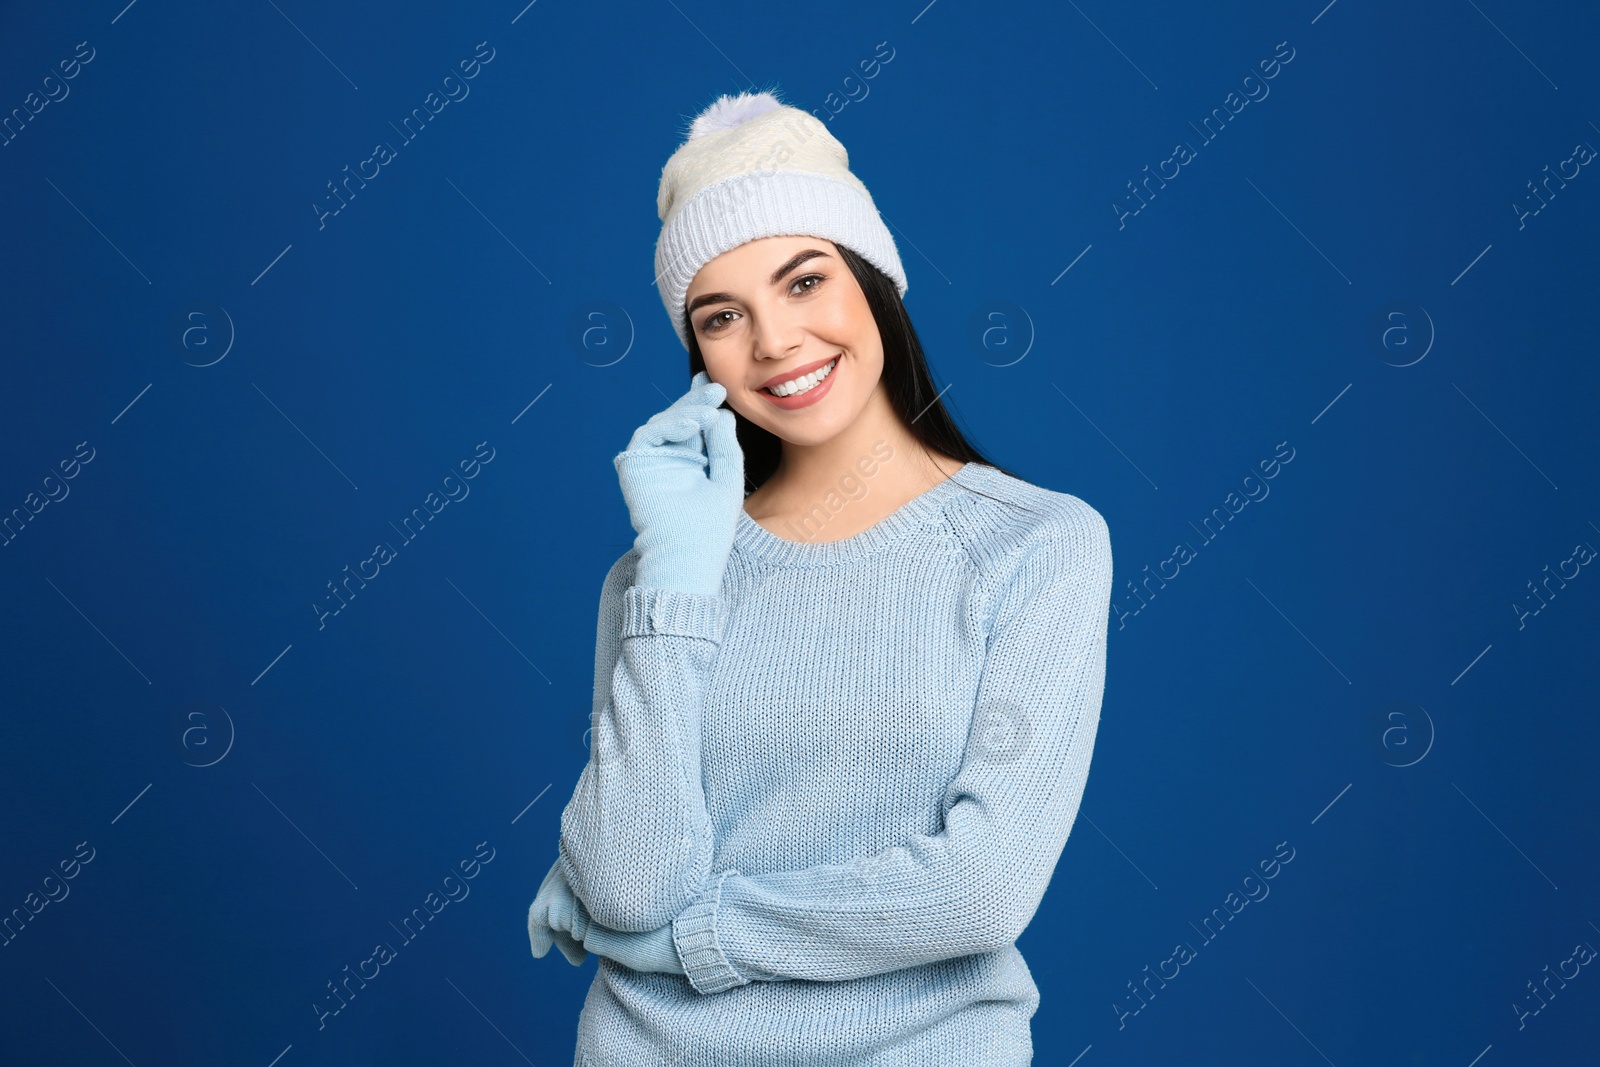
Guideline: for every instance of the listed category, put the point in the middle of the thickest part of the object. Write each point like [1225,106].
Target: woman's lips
[797,372]
[811,396]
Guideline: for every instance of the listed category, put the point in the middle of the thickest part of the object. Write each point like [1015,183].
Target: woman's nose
[777,334]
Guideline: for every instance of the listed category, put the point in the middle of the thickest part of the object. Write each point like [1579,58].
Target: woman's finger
[703,392]
[669,428]
[539,934]
[686,426]
[572,950]
[723,451]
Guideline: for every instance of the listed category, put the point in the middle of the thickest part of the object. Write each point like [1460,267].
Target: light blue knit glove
[652,951]
[558,917]
[552,916]
[684,516]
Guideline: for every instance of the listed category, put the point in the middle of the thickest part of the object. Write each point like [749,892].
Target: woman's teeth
[805,382]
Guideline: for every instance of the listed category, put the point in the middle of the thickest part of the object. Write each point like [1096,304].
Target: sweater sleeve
[636,841]
[975,885]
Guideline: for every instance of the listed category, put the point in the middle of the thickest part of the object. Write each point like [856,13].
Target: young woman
[842,724]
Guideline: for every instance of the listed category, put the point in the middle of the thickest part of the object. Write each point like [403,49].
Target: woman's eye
[716,322]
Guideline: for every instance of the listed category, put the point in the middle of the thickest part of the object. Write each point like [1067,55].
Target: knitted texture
[845,781]
[752,168]
[682,476]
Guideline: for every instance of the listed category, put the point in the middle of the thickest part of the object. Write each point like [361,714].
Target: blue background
[1344,668]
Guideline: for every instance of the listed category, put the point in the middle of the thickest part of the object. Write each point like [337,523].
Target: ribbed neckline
[757,541]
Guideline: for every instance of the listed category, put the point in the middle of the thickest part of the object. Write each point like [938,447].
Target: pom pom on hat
[749,167]
[731,111]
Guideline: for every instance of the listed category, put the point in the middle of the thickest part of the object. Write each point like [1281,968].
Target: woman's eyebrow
[777,276]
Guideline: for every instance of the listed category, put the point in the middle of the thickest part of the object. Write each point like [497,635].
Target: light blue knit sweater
[845,782]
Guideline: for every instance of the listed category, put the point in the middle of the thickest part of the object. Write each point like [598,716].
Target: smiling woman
[829,779]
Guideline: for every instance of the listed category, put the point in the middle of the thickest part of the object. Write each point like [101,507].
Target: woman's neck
[838,492]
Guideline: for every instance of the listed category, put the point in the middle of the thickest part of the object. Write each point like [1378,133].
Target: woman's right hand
[684,516]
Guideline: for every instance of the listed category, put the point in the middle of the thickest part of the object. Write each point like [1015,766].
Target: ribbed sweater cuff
[694,931]
[648,610]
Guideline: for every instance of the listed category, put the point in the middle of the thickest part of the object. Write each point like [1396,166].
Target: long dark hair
[906,380]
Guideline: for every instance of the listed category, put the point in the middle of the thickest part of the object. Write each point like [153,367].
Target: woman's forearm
[976,884]
[636,840]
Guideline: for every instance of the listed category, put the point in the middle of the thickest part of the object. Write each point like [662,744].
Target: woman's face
[778,308]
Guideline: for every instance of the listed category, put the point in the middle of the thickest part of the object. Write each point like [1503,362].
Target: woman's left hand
[559,917]
[552,916]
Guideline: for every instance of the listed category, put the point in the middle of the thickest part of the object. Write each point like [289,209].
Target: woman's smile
[804,389]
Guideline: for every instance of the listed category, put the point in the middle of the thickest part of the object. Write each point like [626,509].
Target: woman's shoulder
[1005,517]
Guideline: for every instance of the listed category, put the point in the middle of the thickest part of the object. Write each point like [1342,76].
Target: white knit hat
[754,167]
